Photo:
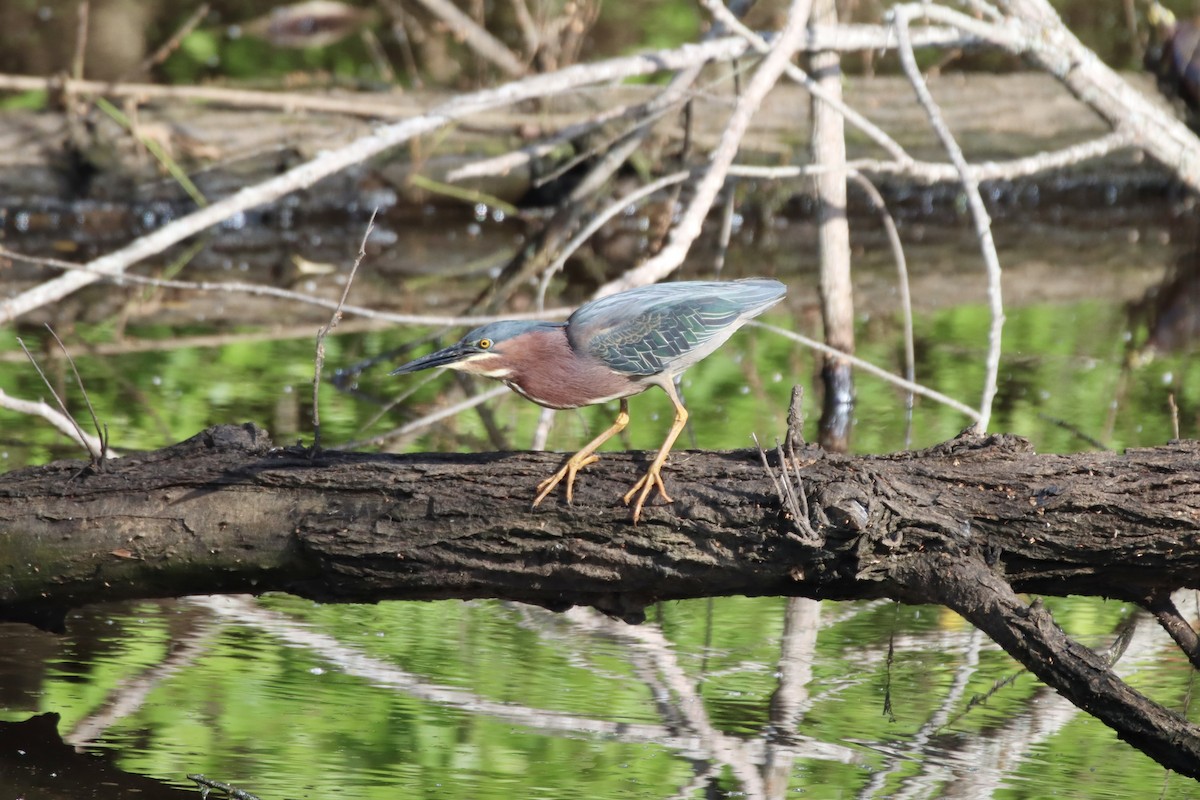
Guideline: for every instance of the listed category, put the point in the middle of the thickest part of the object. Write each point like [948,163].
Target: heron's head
[492,350]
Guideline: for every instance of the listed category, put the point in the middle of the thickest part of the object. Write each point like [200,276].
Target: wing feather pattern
[646,331]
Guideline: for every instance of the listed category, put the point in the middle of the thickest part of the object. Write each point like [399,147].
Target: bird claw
[568,471]
[651,480]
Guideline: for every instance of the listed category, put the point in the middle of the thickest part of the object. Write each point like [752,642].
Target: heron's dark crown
[500,332]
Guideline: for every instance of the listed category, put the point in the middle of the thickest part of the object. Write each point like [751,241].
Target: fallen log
[968,524]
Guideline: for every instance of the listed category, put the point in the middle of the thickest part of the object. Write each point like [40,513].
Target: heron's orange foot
[573,465]
[650,481]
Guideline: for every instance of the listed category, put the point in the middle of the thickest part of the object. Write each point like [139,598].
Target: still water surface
[486,699]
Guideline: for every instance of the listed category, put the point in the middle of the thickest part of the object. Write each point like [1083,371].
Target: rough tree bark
[967,524]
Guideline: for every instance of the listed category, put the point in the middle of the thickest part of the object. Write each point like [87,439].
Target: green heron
[610,349]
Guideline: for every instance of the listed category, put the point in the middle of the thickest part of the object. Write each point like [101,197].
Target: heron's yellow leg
[653,477]
[583,457]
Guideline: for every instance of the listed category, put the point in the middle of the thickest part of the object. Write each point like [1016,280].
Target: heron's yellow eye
[485,344]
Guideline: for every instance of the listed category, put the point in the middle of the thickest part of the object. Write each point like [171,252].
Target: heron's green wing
[646,331]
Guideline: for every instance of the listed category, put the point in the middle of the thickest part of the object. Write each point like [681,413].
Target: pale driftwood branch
[530,34]
[685,231]
[1032,29]
[264,290]
[828,146]
[503,164]
[848,38]
[878,135]
[932,172]
[598,220]
[676,92]
[60,421]
[361,149]
[476,36]
[979,214]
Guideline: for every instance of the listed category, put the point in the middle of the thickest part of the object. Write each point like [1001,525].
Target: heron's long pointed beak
[446,357]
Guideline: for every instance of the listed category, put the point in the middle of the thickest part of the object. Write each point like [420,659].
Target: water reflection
[763,697]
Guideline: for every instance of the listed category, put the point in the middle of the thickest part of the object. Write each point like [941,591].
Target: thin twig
[793,503]
[762,454]
[287,294]
[893,235]
[170,45]
[597,221]
[1075,431]
[399,28]
[81,40]
[599,172]
[429,419]
[612,153]
[506,163]
[867,366]
[529,29]
[378,55]
[790,490]
[93,451]
[333,323]
[471,196]
[794,464]
[159,152]
[677,91]
[983,228]
[101,432]
[984,9]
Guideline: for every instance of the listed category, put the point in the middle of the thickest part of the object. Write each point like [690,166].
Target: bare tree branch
[688,228]
[983,222]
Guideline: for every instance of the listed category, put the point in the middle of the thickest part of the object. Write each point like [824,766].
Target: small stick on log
[321,334]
